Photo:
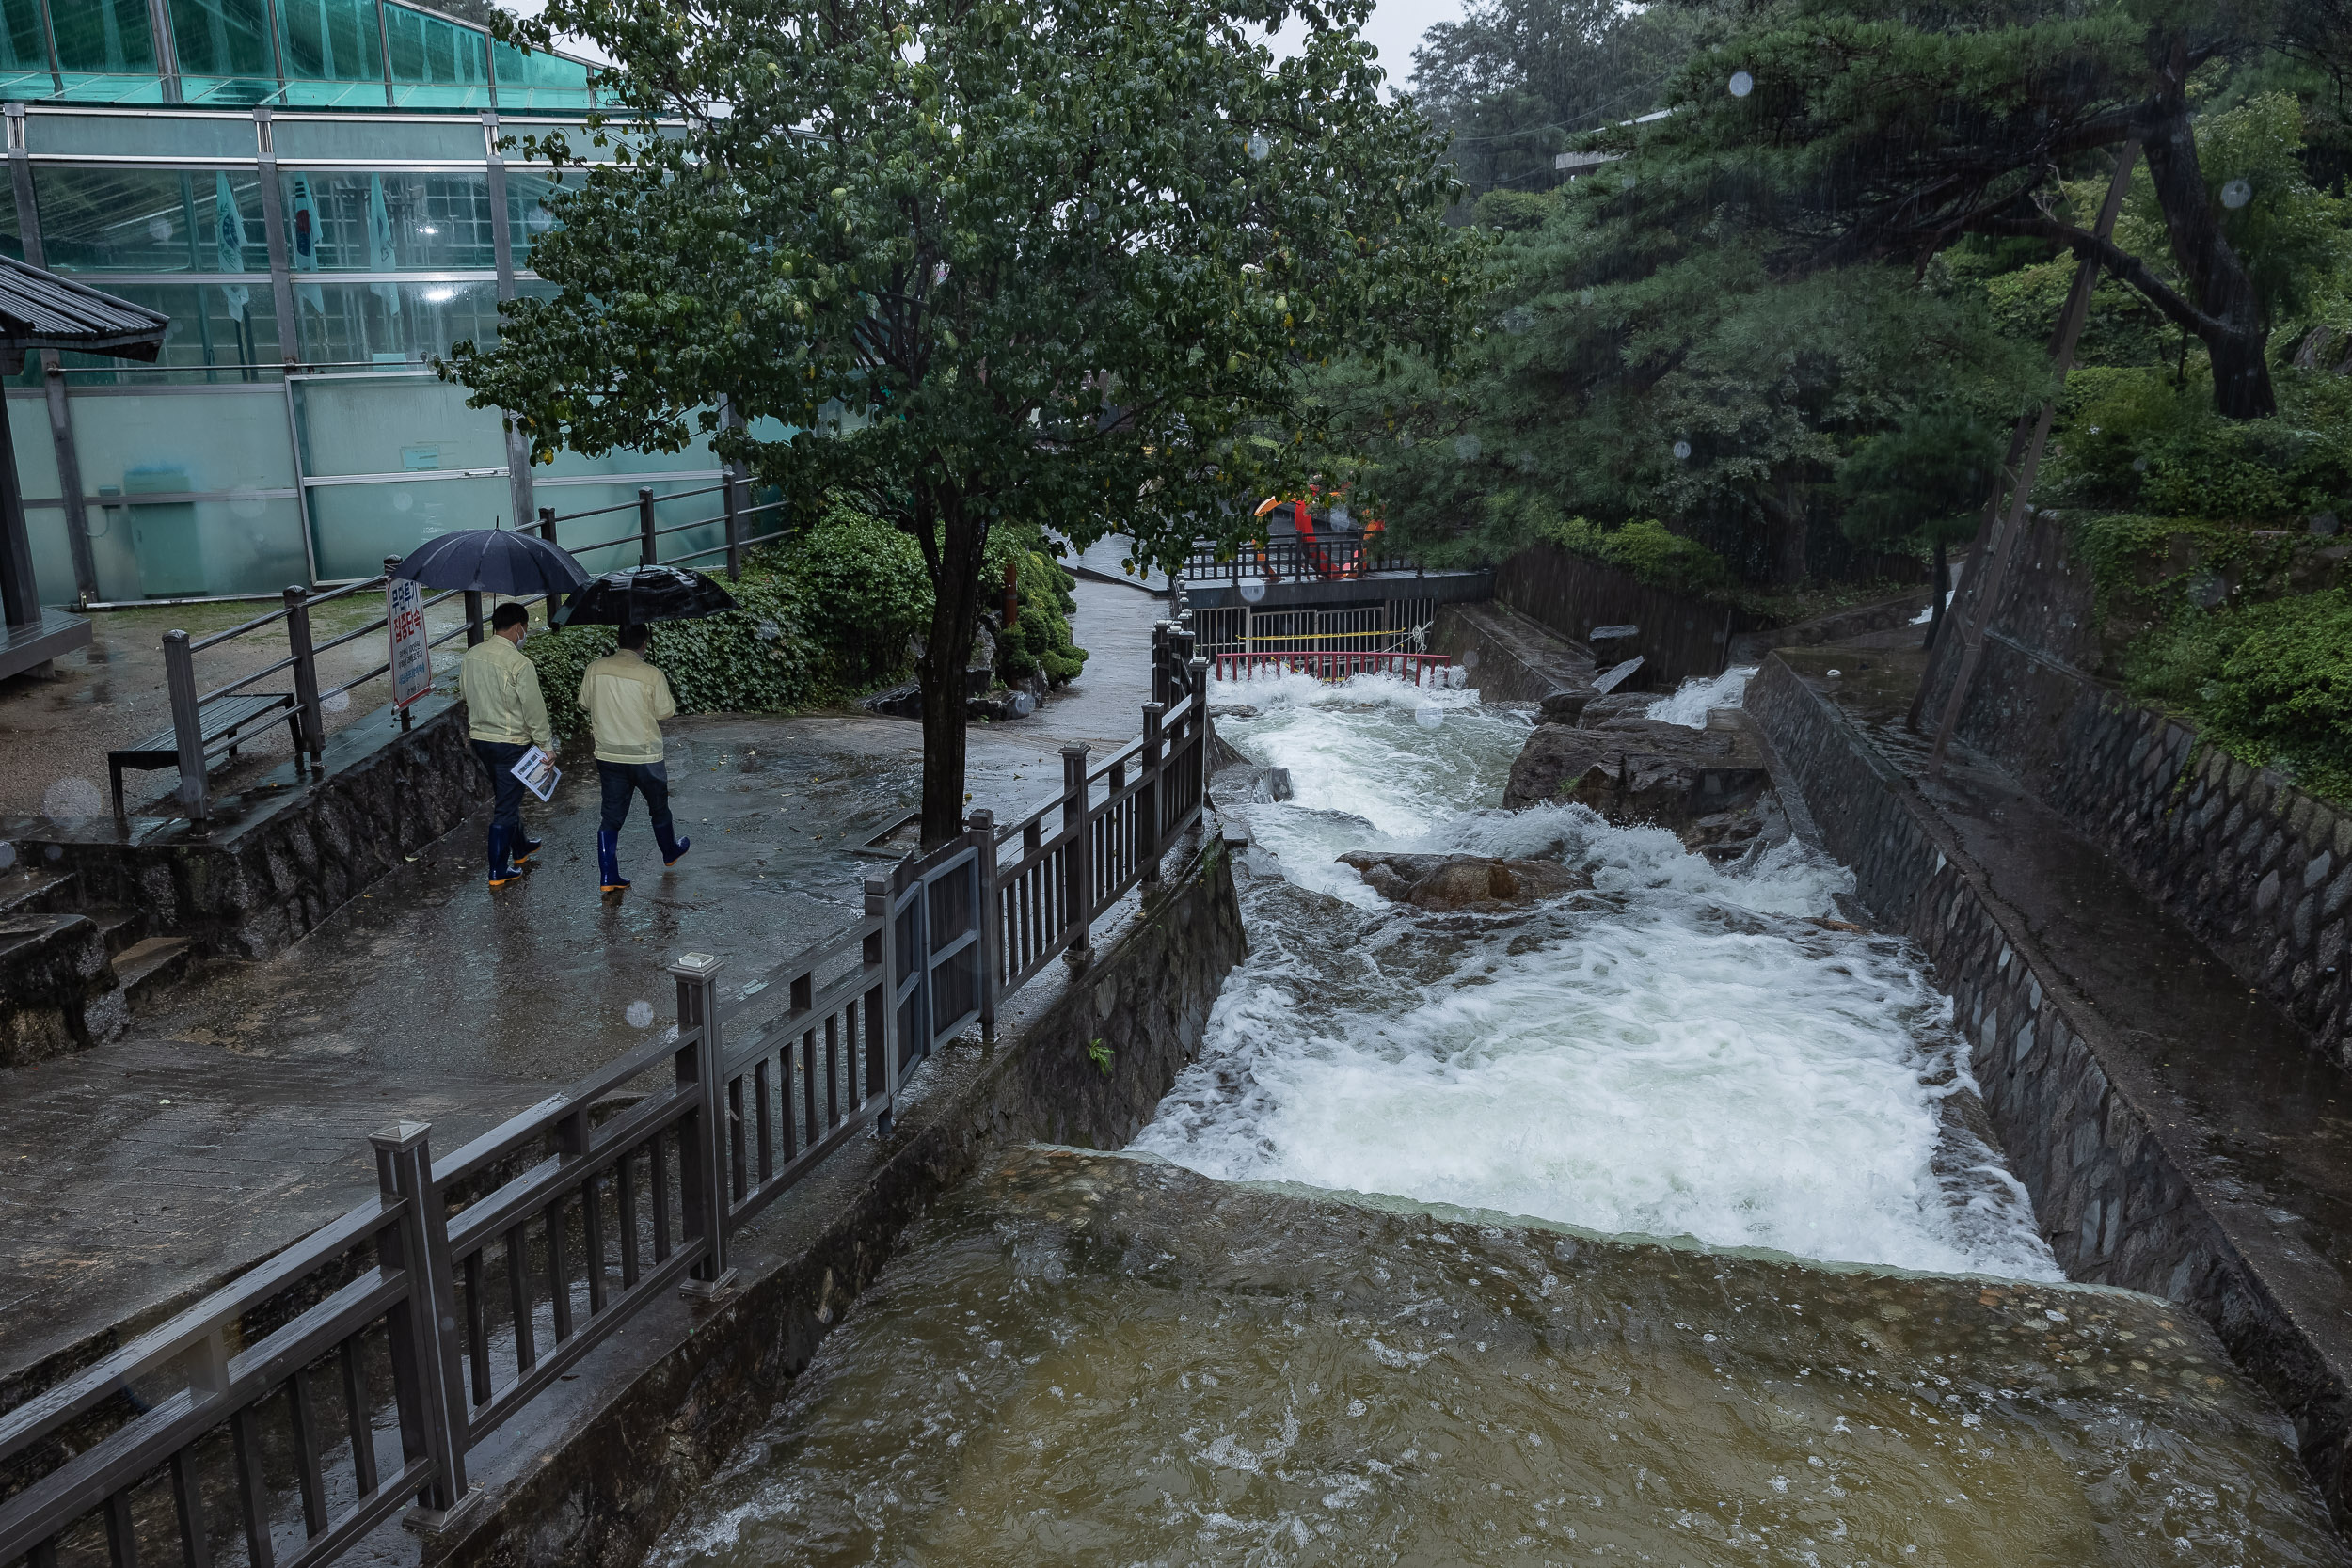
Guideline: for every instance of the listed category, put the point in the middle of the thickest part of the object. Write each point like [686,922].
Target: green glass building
[313,191]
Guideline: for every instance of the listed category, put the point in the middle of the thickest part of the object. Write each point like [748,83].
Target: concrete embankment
[1081,1061]
[2174,1134]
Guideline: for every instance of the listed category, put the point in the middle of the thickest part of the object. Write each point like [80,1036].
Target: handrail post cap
[400,1138]
[1078,751]
[877,887]
[694,966]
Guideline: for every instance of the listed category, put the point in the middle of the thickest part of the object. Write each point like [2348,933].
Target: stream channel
[1646,1224]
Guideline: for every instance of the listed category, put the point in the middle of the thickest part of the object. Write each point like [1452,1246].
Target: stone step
[122,927]
[148,966]
[29,889]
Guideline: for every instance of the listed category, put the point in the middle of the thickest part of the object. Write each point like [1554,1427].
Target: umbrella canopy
[643,594]
[494,561]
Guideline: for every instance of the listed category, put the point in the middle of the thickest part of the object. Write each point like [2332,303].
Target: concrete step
[122,927]
[28,890]
[148,966]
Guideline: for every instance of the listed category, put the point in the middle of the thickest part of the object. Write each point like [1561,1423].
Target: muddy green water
[1097,1360]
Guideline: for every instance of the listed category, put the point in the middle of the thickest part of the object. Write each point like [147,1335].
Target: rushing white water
[1690,701]
[1680,1051]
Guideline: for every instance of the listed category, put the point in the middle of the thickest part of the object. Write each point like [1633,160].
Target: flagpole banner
[306,243]
[231,245]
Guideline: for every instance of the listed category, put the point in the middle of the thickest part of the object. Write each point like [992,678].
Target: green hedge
[1646,550]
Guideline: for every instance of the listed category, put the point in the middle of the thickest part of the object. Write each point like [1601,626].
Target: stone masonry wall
[2083,1129]
[260,881]
[2261,871]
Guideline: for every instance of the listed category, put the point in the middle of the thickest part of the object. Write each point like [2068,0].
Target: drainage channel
[1648,1222]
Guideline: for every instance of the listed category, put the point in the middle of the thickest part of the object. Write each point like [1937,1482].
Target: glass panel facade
[223,38]
[330,41]
[216,329]
[225,442]
[527,212]
[392,222]
[23,45]
[538,81]
[361,424]
[356,526]
[436,63]
[393,324]
[108,36]
[177,547]
[98,135]
[379,140]
[150,221]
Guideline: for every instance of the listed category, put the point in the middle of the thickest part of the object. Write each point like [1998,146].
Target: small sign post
[412,650]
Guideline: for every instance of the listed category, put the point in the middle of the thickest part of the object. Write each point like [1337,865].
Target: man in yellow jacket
[505,716]
[626,699]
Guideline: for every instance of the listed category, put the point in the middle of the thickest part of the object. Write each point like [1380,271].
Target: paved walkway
[235,1119]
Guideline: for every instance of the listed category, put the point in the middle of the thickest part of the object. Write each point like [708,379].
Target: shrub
[1648,551]
[2270,683]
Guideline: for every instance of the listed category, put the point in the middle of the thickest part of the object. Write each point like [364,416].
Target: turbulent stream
[1622,1227]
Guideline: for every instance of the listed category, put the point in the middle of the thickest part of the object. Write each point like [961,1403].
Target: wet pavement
[234,1117]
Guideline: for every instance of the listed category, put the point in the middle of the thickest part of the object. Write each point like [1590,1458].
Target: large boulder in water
[1463,881]
[1639,771]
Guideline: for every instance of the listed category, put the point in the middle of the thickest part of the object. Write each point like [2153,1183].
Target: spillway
[1652,1222]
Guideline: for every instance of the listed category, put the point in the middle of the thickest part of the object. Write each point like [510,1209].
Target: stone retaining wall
[279,860]
[2085,1128]
[1681,636]
[2261,871]
[612,1475]
[1511,657]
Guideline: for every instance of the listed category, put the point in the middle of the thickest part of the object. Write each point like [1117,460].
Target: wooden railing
[348,1379]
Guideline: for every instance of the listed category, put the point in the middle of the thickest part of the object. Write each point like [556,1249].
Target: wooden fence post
[306,676]
[1149,784]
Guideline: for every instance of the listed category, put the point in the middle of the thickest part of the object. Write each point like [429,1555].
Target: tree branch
[2122,263]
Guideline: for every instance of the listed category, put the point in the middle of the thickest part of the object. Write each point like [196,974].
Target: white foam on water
[1679,1052]
[1689,702]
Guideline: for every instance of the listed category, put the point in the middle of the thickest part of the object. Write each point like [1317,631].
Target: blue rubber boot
[501,868]
[673,846]
[525,848]
[609,859]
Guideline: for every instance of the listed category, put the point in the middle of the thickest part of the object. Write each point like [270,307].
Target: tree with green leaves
[1858,129]
[1922,484]
[974,265]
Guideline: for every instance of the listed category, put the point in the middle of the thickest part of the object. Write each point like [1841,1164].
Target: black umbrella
[493,561]
[642,595]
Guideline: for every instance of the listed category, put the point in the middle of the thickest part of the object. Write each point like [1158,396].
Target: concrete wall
[1681,636]
[610,1475]
[2260,871]
[1511,658]
[2086,1128]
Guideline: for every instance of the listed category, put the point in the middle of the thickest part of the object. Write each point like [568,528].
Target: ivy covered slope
[830,613]
[2219,552]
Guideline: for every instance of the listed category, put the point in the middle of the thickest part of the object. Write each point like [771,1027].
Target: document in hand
[538,773]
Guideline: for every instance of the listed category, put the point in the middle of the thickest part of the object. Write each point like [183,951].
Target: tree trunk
[1783,504]
[2211,273]
[939,671]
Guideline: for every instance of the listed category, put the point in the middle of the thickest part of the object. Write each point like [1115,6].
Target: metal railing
[1290,559]
[188,704]
[1331,664]
[349,1378]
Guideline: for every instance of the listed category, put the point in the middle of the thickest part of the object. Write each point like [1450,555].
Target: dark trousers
[506,791]
[649,779]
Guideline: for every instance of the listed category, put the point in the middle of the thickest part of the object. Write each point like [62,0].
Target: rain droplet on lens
[1429,717]
[639,1014]
[1741,84]
[1585,298]
[1625,182]
[1466,447]
[2237,193]
[1682,450]
[1516,320]
[336,701]
[1258,146]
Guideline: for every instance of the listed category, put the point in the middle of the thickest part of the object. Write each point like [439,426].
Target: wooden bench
[222,722]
